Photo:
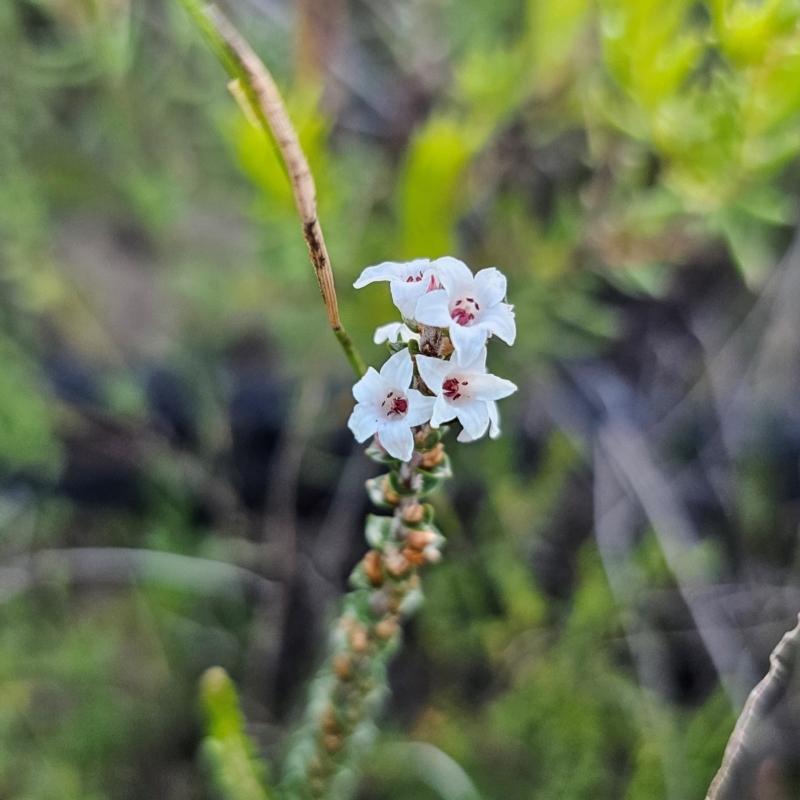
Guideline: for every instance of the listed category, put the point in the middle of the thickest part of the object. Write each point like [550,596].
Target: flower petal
[499,320]
[370,387]
[490,387]
[474,417]
[363,422]
[392,271]
[420,408]
[442,412]
[453,274]
[405,295]
[385,271]
[468,341]
[478,364]
[388,332]
[432,309]
[490,287]
[398,370]
[433,371]
[494,419]
[396,438]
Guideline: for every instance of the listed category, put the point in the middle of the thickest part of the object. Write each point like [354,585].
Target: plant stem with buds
[350,688]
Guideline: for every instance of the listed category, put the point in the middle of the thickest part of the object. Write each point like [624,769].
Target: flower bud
[387,628]
[414,557]
[413,513]
[433,457]
[358,638]
[373,567]
[342,667]
[389,495]
[419,540]
[396,563]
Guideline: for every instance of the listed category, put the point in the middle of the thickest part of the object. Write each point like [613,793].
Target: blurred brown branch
[727,784]
[256,92]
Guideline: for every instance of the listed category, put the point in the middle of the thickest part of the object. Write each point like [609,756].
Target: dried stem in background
[727,784]
[255,90]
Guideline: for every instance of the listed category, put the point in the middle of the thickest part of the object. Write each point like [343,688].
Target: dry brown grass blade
[261,89]
[766,695]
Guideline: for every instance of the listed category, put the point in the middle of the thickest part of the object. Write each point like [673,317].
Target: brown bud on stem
[358,638]
[414,557]
[389,494]
[396,563]
[419,540]
[373,567]
[413,512]
[433,457]
[387,628]
[342,667]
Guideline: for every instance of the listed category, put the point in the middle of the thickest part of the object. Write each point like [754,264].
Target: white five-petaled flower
[390,332]
[407,281]
[470,306]
[466,391]
[387,406]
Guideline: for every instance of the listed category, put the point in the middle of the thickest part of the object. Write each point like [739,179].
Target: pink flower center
[451,388]
[398,405]
[463,312]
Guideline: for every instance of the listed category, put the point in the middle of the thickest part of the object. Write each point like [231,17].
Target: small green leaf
[378,530]
[378,454]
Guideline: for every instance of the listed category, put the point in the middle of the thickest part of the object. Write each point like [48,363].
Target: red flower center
[451,388]
[463,314]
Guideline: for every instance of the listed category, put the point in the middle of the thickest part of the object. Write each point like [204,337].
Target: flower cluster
[440,301]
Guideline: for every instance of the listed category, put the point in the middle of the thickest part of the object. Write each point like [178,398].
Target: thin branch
[123,565]
[763,699]
[256,92]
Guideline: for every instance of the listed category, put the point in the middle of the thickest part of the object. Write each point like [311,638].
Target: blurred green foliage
[231,756]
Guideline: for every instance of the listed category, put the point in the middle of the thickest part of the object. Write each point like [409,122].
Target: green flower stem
[349,689]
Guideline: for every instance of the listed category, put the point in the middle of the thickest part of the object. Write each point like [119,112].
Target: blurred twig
[727,784]
[254,89]
[121,565]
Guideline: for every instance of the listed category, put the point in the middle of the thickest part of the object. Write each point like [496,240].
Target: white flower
[407,281]
[387,406]
[470,306]
[465,390]
[390,332]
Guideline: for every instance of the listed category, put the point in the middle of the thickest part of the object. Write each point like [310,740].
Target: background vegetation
[177,485]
